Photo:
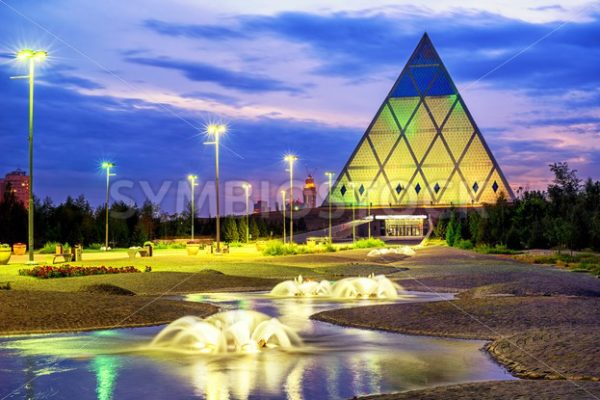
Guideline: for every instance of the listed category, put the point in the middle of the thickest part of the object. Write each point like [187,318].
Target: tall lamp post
[193,183]
[353,212]
[247,187]
[31,56]
[283,211]
[216,130]
[330,178]
[290,158]
[107,166]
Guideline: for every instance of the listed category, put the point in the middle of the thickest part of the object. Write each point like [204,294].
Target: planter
[192,248]
[5,254]
[19,249]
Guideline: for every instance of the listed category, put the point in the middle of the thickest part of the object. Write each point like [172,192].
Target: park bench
[68,255]
[317,240]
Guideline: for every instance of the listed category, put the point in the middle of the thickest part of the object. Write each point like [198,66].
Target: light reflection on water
[336,362]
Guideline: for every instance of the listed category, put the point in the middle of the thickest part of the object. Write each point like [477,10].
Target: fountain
[403,251]
[299,287]
[371,287]
[237,331]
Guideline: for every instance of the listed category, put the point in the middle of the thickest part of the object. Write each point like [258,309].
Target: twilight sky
[136,81]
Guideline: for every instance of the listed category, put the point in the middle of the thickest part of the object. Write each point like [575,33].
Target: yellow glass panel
[379,194]
[439,106]
[364,156]
[403,108]
[456,193]
[336,193]
[383,143]
[420,132]
[457,130]
[385,121]
[487,194]
[476,164]
[422,198]
[362,176]
[437,167]
[400,166]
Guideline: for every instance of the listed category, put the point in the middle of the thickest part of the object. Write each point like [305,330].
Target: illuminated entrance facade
[422,149]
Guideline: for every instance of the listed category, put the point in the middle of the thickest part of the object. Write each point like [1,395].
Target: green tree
[242,226]
[230,230]
[254,231]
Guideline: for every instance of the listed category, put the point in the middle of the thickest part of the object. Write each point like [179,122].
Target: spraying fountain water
[373,287]
[237,331]
[299,287]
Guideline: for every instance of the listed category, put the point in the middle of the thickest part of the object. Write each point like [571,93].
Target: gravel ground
[522,390]
[44,312]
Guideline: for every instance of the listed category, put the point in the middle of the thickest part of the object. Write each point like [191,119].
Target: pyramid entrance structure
[422,149]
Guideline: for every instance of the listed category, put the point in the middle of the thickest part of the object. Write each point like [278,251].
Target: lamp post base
[31,263]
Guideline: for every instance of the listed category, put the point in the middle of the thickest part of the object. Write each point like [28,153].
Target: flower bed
[49,271]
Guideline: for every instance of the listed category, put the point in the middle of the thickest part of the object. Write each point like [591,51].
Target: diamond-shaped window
[361,190]
[343,190]
[418,188]
[437,187]
[398,188]
[495,186]
[475,187]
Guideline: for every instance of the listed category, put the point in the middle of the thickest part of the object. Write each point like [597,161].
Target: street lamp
[31,56]
[193,184]
[247,187]
[353,212]
[107,166]
[216,130]
[290,158]
[283,211]
[330,177]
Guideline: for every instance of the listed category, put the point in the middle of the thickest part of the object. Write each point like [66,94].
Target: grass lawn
[170,266]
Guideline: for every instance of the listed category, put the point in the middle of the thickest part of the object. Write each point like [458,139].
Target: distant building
[18,181]
[309,193]
[261,206]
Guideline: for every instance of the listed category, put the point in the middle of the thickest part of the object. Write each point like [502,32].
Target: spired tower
[422,148]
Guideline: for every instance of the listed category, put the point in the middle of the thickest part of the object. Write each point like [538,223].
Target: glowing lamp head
[329,174]
[283,193]
[290,158]
[246,186]
[216,129]
[28,54]
[107,165]
[192,178]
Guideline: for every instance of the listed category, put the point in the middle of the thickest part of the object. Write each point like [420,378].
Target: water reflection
[335,362]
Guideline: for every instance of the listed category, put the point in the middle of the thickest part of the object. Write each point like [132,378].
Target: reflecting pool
[332,363]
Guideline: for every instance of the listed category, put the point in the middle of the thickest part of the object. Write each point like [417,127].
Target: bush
[464,244]
[236,244]
[498,249]
[169,245]
[49,271]
[278,248]
[95,246]
[50,247]
[368,243]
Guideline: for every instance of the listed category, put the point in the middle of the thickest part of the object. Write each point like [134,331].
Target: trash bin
[78,252]
[148,248]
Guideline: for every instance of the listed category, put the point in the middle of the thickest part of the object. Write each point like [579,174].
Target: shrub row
[49,271]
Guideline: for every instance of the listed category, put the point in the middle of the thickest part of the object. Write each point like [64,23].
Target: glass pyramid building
[423,147]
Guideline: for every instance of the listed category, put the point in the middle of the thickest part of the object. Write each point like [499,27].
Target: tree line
[565,216]
[75,221]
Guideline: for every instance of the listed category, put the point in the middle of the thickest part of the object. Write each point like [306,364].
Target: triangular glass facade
[423,147]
